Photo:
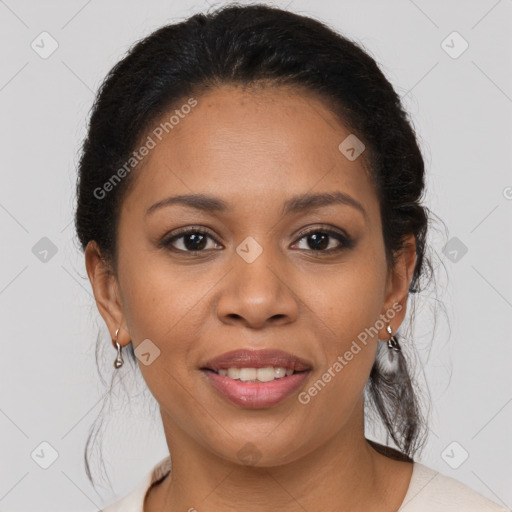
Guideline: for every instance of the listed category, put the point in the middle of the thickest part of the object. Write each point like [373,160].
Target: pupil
[196,238]
[322,244]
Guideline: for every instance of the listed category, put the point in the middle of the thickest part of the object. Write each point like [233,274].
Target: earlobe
[105,288]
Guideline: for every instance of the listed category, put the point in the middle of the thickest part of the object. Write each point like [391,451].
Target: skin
[255,149]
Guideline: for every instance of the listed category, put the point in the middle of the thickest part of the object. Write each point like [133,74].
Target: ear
[106,293]
[397,287]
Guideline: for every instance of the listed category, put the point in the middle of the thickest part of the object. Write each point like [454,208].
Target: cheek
[156,296]
[161,307]
[167,305]
[348,298]
[349,308]
[345,306]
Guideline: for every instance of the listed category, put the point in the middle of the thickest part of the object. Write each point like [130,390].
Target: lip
[255,395]
[246,358]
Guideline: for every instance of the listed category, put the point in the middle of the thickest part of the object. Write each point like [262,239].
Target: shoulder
[431,491]
[134,501]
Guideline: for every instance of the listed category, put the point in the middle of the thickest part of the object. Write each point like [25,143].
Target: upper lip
[247,358]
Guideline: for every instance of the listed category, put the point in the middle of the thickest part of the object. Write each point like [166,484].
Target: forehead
[250,144]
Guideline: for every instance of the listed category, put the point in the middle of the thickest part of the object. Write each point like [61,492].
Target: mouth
[256,378]
[263,374]
[257,360]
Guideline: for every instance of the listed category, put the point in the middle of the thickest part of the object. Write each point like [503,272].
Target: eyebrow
[296,204]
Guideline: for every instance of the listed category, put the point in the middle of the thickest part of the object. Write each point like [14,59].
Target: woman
[249,204]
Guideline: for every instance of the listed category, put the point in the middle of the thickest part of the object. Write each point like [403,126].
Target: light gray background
[461,107]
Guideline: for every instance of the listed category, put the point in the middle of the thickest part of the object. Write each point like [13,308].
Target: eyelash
[346,241]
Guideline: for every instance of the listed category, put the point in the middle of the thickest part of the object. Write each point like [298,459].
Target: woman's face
[256,280]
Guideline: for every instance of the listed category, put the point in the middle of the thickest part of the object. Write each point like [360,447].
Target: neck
[343,470]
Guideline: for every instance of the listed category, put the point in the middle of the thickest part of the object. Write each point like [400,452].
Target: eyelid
[324,228]
[346,240]
[167,240]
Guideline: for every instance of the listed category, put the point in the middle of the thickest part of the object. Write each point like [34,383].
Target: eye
[321,239]
[191,240]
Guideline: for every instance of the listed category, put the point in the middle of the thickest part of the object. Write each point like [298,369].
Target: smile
[256,388]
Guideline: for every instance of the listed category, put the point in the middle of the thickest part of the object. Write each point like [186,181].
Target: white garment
[429,491]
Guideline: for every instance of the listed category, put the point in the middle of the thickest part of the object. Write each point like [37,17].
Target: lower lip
[254,395]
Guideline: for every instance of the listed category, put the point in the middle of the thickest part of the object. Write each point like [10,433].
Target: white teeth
[246,374]
[266,374]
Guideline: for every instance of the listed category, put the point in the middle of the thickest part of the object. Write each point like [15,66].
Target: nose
[258,293]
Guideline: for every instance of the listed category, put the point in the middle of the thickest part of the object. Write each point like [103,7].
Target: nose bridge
[256,267]
[257,290]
